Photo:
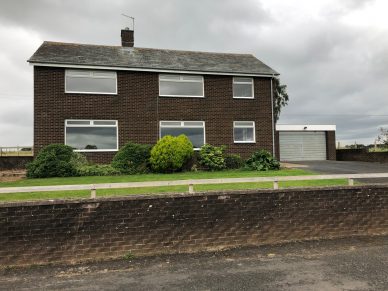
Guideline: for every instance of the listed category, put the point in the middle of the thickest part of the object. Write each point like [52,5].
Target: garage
[306,142]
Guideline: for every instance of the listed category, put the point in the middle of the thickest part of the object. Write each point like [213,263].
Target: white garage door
[302,146]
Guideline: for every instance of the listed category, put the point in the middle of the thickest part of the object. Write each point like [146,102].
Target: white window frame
[182,125]
[244,126]
[180,80]
[68,72]
[91,124]
[252,84]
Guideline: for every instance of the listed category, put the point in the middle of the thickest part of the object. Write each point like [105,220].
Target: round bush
[171,153]
[212,157]
[262,160]
[54,160]
[132,158]
[233,161]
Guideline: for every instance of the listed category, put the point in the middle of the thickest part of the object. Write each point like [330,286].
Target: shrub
[52,161]
[262,160]
[171,153]
[78,160]
[97,170]
[233,161]
[212,157]
[132,158]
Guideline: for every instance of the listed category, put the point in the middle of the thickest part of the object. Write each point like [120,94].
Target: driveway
[344,167]
[342,264]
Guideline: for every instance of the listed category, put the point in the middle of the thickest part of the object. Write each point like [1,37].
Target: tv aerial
[132,18]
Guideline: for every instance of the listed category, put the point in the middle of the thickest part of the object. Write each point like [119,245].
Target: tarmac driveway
[344,167]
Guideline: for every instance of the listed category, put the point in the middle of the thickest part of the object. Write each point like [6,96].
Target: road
[344,167]
[341,264]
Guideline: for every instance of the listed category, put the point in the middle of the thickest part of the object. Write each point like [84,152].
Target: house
[96,98]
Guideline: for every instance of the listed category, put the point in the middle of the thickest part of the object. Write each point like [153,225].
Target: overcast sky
[332,55]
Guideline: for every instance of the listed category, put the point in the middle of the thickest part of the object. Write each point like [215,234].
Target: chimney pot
[127,39]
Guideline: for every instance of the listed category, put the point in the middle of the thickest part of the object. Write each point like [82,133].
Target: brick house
[96,98]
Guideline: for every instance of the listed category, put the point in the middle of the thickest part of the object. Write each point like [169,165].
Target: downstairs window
[91,135]
[194,130]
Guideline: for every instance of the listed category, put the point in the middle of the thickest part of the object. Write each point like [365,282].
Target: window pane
[244,123]
[243,134]
[170,123]
[104,74]
[242,90]
[196,135]
[245,80]
[181,88]
[78,73]
[85,84]
[191,78]
[101,122]
[193,123]
[169,77]
[91,138]
[79,122]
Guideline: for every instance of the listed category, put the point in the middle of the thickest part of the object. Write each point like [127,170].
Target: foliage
[132,158]
[280,97]
[262,160]
[383,136]
[97,170]
[355,146]
[233,161]
[212,157]
[78,160]
[171,153]
[54,160]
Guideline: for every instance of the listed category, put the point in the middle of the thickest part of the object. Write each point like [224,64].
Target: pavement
[341,264]
[343,167]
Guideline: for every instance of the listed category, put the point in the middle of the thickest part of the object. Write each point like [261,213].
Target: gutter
[273,119]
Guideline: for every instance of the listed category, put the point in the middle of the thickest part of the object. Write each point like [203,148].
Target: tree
[383,136]
[280,97]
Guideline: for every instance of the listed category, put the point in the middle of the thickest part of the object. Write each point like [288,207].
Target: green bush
[78,160]
[132,158]
[233,161]
[262,160]
[212,157]
[54,160]
[97,170]
[171,153]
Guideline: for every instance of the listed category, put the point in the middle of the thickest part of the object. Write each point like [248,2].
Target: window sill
[181,96]
[245,142]
[94,151]
[90,93]
[244,98]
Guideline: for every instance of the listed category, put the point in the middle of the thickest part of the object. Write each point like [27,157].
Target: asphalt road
[342,264]
[345,167]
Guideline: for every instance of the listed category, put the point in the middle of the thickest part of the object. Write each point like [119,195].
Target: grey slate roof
[147,58]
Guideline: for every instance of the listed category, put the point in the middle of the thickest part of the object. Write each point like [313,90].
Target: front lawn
[158,177]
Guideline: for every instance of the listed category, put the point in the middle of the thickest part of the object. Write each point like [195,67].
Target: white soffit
[305,127]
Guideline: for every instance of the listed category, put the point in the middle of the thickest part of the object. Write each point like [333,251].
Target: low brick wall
[69,231]
[361,155]
[12,163]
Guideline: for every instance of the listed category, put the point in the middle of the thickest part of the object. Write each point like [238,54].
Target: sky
[331,54]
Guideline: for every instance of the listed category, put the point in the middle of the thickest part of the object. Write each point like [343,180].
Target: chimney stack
[127,39]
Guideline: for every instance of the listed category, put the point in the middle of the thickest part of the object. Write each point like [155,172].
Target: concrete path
[342,264]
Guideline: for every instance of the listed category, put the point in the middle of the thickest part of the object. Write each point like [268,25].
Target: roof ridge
[145,48]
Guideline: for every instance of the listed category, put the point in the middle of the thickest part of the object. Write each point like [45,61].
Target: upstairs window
[181,85]
[244,132]
[91,135]
[194,130]
[90,82]
[243,88]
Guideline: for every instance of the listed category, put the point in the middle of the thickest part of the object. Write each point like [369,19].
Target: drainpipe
[273,119]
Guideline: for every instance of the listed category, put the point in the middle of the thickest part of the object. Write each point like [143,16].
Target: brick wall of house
[138,109]
[74,230]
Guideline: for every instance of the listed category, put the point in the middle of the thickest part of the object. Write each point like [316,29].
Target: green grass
[159,177]
[152,177]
